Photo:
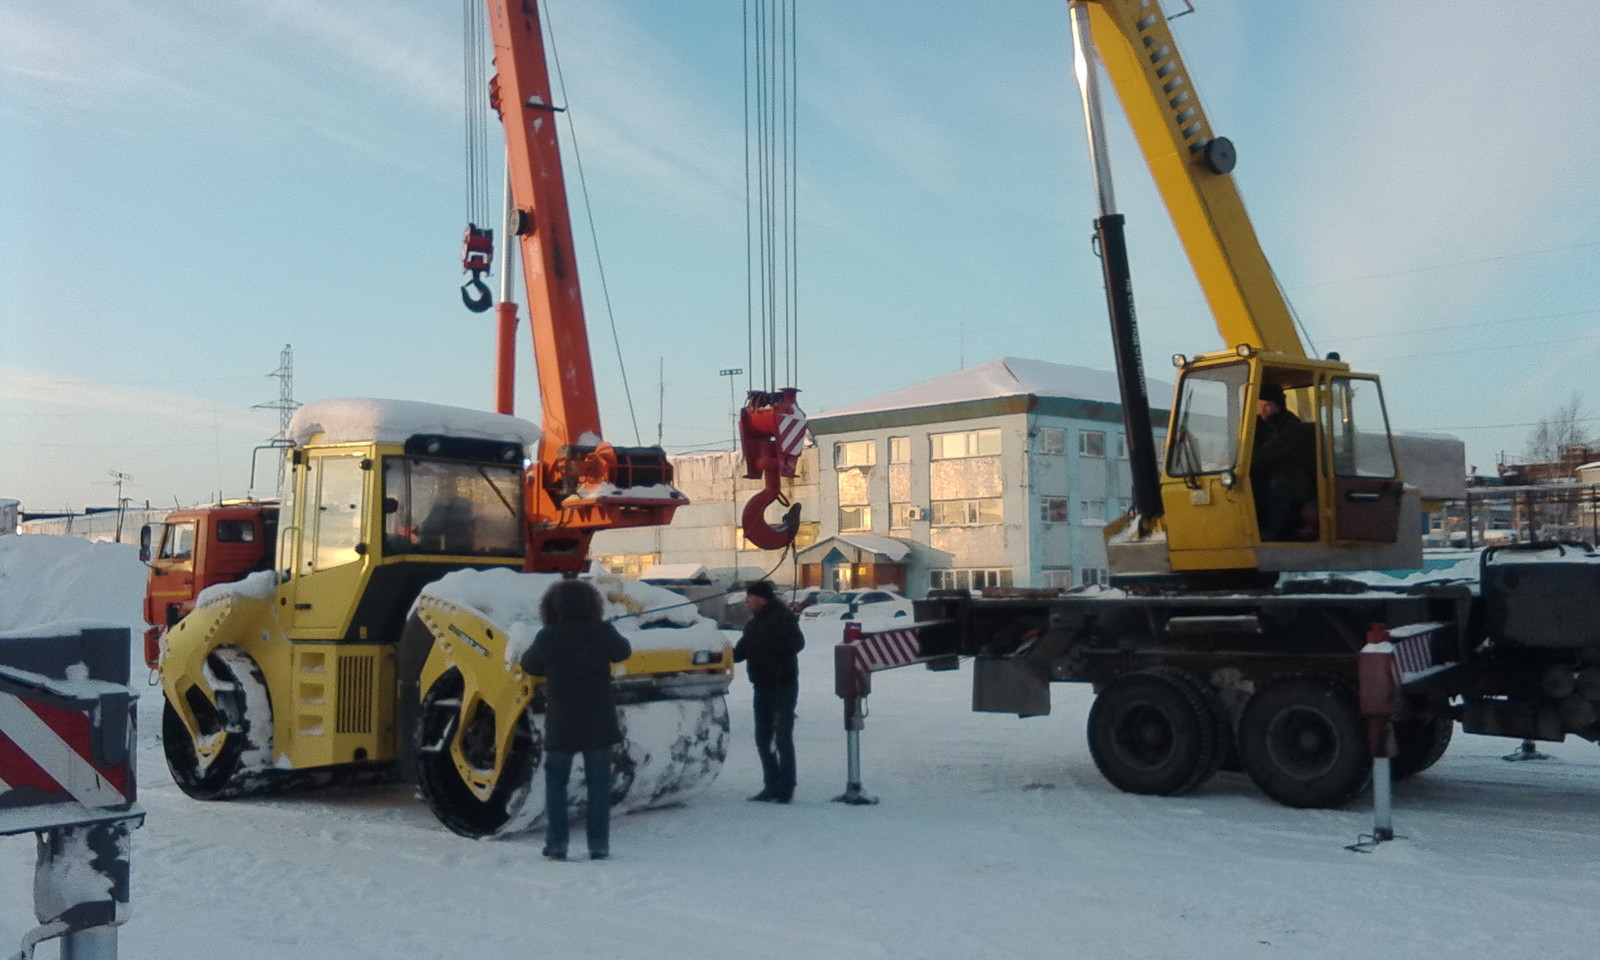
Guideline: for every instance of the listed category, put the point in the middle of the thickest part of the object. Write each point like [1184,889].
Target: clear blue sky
[189,186]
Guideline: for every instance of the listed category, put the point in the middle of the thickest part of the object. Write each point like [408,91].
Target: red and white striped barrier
[891,648]
[67,735]
[47,755]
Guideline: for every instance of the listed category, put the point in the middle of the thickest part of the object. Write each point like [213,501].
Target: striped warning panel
[46,756]
[892,648]
[792,432]
[1413,649]
[1414,655]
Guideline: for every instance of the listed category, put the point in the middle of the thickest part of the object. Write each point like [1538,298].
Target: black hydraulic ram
[1113,254]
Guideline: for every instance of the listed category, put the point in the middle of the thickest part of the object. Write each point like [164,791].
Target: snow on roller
[480,724]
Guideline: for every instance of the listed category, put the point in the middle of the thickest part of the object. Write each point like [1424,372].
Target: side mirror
[144,543]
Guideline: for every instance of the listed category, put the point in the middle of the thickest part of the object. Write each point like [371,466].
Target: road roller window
[338,482]
[452,508]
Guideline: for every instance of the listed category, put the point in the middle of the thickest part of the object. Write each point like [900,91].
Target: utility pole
[120,479]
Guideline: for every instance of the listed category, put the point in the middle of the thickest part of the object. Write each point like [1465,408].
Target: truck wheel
[1152,733]
[1221,721]
[441,782]
[1303,743]
[1422,741]
[235,732]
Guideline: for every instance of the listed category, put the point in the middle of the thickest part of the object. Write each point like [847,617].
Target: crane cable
[475,61]
[771,194]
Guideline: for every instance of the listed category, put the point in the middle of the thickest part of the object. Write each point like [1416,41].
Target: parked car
[860,605]
[803,597]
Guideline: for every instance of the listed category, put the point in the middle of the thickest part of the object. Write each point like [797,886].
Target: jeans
[597,776]
[775,737]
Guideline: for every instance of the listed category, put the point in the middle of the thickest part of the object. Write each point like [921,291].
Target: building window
[855,519]
[1095,577]
[969,443]
[1058,579]
[1092,443]
[630,565]
[969,579]
[899,449]
[1092,512]
[1122,446]
[856,453]
[1053,509]
[967,513]
[1052,440]
[899,516]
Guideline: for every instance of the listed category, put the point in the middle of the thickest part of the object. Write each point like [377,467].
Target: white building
[1002,474]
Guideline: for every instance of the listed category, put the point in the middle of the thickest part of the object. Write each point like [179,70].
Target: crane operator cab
[1280,463]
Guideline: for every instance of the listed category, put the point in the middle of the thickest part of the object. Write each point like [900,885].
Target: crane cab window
[177,541]
[454,508]
[1359,430]
[1205,437]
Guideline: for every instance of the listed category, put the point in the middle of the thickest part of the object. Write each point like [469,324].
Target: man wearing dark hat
[1283,466]
[769,647]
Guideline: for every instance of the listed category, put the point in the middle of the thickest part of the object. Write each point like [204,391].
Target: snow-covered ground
[995,838]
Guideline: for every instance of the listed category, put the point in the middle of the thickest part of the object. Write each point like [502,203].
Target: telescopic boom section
[1191,168]
[580,484]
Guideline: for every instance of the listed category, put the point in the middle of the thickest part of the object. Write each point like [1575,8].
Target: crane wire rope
[771,193]
[474,42]
[594,234]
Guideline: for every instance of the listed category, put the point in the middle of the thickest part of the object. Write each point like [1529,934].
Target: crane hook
[475,294]
[477,255]
[754,519]
[772,431]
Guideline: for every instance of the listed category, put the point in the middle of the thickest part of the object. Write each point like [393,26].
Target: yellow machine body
[320,667]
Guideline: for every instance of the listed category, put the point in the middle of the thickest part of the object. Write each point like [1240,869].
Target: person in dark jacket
[574,652]
[1283,466]
[769,647]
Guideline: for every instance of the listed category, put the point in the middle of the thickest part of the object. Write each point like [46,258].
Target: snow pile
[60,585]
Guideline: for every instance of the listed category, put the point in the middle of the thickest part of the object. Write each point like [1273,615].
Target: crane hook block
[772,433]
[477,255]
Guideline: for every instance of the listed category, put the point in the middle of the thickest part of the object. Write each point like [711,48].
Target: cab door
[171,585]
[326,571]
[1366,482]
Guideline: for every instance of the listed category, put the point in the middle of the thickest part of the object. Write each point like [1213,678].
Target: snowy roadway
[995,838]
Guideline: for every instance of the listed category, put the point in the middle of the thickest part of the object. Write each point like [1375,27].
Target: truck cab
[193,549]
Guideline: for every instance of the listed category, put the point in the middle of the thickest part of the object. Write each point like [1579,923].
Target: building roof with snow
[862,547]
[998,386]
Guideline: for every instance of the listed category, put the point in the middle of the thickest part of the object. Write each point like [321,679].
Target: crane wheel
[451,799]
[1153,732]
[1422,741]
[233,753]
[1304,744]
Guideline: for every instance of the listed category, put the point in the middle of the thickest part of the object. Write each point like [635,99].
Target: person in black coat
[1283,466]
[769,647]
[574,652]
